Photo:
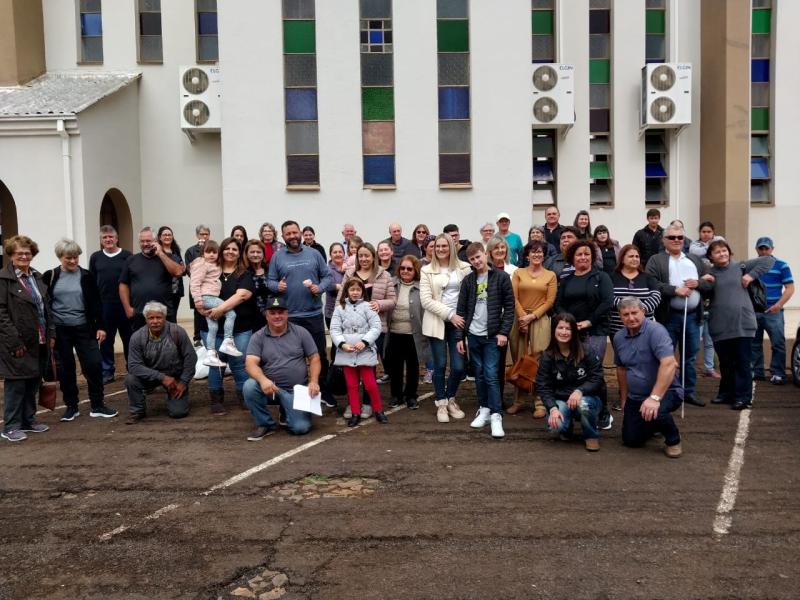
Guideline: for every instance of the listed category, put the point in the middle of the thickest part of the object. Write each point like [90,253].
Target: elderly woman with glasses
[26,335]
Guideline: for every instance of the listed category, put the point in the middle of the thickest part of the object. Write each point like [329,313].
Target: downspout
[66,159]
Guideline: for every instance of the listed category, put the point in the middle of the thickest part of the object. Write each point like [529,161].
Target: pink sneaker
[712,373]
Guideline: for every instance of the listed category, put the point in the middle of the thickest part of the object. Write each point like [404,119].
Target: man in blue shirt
[780,287]
[513,240]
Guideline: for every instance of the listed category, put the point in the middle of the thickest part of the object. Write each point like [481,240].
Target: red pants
[351,377]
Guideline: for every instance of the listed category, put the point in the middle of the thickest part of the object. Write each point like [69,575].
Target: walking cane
[683,352]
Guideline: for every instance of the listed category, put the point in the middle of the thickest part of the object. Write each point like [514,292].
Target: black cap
[277,303]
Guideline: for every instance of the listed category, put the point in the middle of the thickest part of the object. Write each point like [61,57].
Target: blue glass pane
[379,170]
[91,24]
[454,103]
[375,37]
[759,69]
[301,104]
[759,168]
[654,170]
[207,23]
[543,170]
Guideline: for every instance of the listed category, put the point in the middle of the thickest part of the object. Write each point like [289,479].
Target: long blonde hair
[454,263]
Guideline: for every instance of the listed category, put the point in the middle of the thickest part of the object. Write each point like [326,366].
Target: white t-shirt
[450,291]
[681,269]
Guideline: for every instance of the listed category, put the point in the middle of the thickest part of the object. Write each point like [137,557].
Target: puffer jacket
[558,377]
[353,323]
[431,287]
[499,303]
[415,309]
[382,292]
[19,325]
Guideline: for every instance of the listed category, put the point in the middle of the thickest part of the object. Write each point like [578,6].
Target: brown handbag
[522,374]
[48,390]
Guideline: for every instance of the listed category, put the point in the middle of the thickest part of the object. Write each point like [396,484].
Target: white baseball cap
[502,216]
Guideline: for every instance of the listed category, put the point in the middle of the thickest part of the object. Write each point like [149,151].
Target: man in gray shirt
[648,386]
[160,353]
[276,362]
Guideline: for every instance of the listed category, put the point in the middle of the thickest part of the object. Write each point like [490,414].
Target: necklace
[226,276]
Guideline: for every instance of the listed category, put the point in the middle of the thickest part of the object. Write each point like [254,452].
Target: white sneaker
[481,418]
[212,360]
[441,411]
[497,426]
[366,411]
[348,412]
[228,347]
[454,410]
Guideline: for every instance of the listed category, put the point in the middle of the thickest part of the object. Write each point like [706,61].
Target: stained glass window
[91,19]
[600,78]
[760,77]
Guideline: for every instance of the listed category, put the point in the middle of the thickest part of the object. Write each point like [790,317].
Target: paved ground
[454,514]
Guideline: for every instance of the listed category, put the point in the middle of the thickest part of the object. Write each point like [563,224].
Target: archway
[114,211]
[8,217]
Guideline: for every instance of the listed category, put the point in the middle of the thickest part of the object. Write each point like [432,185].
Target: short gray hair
[496,241]
[154,306]
[487,224]
[200,228]
[108,229]
[630,302]
[673,227]
[67,247]
[146,229]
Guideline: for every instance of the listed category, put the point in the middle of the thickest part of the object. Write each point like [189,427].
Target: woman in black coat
[78,317]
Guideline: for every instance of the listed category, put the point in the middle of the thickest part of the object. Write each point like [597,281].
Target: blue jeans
[298,422]
[708,347]
[587,412]
[439,352]
[689,353]
[772,323]
[236,363]
[213,326]
[484,354]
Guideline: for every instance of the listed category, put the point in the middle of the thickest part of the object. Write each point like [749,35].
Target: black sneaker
[742,404]
[329,401]
[617,405]
[259,433]
[354,420]
[103,411]
[71,414]
[395,402]
[108,378]
[693,400]
[381,418]
[412,403]
[605,420]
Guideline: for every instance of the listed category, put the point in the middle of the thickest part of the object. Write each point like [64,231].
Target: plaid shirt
[29,283]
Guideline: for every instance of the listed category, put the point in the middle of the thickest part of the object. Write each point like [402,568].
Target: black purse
[757,292]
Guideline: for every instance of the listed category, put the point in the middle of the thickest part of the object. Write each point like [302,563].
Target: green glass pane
[599,170]
[759,119]
[762,20]
[542,22]
[599,71]
[377,104]
[452,36]
[298,37]
[655,21]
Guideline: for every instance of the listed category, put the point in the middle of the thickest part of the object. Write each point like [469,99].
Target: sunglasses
[421,231]
[674,237]
[405,268]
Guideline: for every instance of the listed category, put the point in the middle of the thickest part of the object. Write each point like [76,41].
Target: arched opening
[8,217]
[114,211]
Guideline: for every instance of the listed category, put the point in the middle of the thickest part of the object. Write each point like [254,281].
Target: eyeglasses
[421,231]
[23,254]
[673,238]
[405,268]
[536,252]
[487,230]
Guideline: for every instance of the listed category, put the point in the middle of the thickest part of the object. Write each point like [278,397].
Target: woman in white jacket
[440,283]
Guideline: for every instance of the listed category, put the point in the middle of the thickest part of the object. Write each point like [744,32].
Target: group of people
[435,301]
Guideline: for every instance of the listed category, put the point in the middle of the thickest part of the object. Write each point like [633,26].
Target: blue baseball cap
[764,241]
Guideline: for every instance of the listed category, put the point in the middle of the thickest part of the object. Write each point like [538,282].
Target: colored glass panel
[379,170]
[452,36]
[655,47]
[92,49]
[454,168]
[759,192]
[759,119]
[599,170]
[759,145]
[654,170]
[150,23]
[301,104]
[91,24]
[299,37]
[543,49]
[302,138]
[543,170]
[375,37]
[377,104]
[208,47]
[655,21]
[762,20]
[600,120]
[543,146]
[453,103]
[453,69]
[599,71]
[451,9]
[298,9]
[654,144]
[599,21]
[377,69]
[376,9]
[300,70]
[599,146]
[377,137]
[759,168]
[542,21]
[759,70]
[207,23]
[302,170]
[454,137]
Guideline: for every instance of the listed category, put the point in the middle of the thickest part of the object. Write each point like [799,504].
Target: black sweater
[587,298]
[499,303]
[558,377]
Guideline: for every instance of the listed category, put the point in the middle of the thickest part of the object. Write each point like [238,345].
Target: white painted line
[46,410]
[727,500]
[249,472]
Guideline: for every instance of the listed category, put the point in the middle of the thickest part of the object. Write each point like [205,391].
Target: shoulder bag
[757,292]
[48,390]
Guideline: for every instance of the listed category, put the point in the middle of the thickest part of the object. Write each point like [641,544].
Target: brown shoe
[539,411]
[592,444]
[673,451]
[218,410]
[134,418]
[514,408]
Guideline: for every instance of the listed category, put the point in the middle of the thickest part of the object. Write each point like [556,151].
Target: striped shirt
[774,280]
[643,286]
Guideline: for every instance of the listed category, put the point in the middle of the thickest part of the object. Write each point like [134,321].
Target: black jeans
[736,381]
[402,352]
[80,339]
[20,395]
[138,388]
[115,321]
[636,431]
[316,327]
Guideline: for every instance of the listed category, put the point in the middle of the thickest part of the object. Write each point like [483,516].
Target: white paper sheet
[304,402]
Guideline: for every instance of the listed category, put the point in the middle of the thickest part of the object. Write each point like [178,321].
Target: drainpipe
[67,174]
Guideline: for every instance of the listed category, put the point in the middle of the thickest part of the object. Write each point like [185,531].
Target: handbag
[522,374]
[757,292]
[48,390]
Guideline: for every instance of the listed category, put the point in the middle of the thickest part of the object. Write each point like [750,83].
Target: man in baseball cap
[513,240]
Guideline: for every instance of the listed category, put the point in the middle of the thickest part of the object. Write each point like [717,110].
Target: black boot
[217,398]
[354,420]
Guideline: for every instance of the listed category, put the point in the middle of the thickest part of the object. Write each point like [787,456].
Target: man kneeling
[159,354]
[276,362]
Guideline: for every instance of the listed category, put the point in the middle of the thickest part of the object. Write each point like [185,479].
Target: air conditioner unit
[553,95]
[200,98]
[666,95]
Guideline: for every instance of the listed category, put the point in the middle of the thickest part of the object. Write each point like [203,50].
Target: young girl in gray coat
[354,329]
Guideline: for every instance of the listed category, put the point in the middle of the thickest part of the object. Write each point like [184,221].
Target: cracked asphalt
[456,514]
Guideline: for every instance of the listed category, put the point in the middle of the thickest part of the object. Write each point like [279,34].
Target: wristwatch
[655,397]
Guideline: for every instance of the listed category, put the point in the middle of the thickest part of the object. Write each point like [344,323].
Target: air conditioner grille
[196,113]
[662,109]
[545,78]
[545,109]
[195,81]
[662,78]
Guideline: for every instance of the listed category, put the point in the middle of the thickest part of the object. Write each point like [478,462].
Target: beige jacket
[431,286]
